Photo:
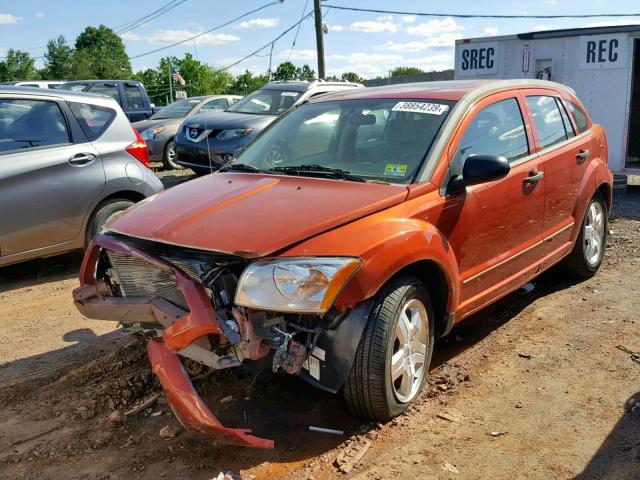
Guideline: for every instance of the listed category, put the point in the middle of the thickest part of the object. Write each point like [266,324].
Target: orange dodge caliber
[351,233]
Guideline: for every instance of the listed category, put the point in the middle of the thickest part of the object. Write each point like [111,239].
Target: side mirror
[481,169]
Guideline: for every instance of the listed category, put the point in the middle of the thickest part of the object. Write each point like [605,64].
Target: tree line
[98,53]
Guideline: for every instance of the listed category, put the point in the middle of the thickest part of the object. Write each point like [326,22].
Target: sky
[368,43]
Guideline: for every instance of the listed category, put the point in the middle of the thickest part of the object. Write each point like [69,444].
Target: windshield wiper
[336,173]
[242,167]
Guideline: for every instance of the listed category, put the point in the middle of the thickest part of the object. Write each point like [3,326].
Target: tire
[169,157]
[583,261]
[103,212]
[370,391]
[275,156]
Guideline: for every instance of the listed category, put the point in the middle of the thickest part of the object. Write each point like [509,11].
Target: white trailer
[601,64]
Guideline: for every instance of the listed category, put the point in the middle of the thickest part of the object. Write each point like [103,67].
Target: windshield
[178,109]
[375,139]
[265,102]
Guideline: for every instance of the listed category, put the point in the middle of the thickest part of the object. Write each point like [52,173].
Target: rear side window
[134,97]
[547,119]
[565,120]
[579,116]
[93,119]
[106,89]
[496,130]
[31,123]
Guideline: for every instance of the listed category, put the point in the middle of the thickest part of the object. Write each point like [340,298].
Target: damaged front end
[190,302]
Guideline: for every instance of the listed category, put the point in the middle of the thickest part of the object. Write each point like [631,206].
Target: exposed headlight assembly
[229,134]
[302,285]
[150,133]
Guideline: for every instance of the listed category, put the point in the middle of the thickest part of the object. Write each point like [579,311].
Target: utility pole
[319,39]
[170,83]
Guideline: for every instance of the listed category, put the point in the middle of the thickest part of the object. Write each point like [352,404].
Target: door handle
[534,177]
[80,159]
[582,155]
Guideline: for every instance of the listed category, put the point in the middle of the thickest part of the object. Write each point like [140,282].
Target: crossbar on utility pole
[319,39]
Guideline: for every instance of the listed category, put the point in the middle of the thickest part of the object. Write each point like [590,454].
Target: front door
[48,179]
[499,224]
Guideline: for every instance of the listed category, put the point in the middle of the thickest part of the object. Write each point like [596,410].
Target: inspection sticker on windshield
[397,169]
[421,107]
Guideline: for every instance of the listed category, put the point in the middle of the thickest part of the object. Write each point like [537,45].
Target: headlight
[304,285]
[150,133]
[229,134]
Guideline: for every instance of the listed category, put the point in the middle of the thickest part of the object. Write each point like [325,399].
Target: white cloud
[298,54]
[385,18]
[40,15]
[444,41]
[373,27]
[491,30]
[434,27]
[130,36]
[336,28]
[259,23]
[360,57]
[408,18]
[162,37]
[7,18]
[552,2]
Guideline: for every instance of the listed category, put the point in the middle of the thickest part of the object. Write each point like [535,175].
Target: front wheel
[169,157]
[393,357]
[587,254]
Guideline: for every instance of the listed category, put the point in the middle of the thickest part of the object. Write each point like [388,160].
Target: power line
[266,44]
[297,31]
[275,2]
[147,18]
[462,15]
[142,18]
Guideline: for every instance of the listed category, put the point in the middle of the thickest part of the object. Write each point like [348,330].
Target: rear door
[496,227]
[135,105]
[564,156]
[49,174]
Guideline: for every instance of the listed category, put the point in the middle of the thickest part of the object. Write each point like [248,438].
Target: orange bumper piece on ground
[187,404]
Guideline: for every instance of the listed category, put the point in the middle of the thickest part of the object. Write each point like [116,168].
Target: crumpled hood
[252,215]
[228,120]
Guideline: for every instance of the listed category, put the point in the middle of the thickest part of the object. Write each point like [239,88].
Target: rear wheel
[102,214]
[169,157]
[393,357]
[587,254]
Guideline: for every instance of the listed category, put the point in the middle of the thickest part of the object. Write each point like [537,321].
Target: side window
[547,119]
[568,127]
[109,89]
[217,104]
[496,130]
[579,116]
[93,119]
[31,123]
[134,97]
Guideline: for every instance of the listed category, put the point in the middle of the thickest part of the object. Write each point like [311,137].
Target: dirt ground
[534,387]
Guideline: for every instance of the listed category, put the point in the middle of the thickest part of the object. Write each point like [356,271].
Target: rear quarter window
[579,116]
[93,119]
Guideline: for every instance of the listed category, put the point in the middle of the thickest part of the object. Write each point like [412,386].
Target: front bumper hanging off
[181,330]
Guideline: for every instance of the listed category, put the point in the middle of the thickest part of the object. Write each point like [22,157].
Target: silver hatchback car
[68,162]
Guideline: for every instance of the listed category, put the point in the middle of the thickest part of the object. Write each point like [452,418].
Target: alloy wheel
[594,233]
[409,350]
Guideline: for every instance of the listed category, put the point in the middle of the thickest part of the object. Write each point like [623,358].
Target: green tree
[105,51]
[81,66]
[58,63]
[201,79]
[305,73]
[352,77]
[246,83]
[17,66]
[399,71]
[285,71]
